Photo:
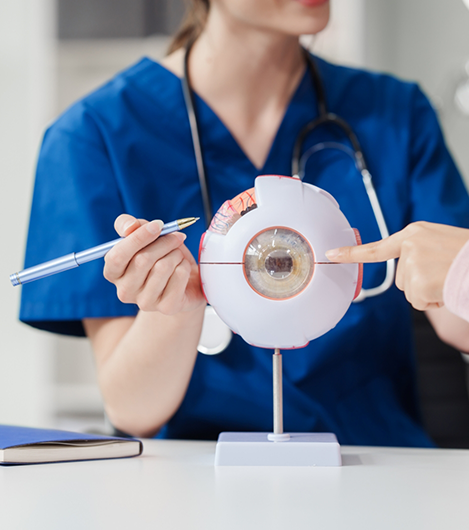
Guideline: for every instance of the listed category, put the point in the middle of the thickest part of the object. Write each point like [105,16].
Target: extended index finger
[388,248]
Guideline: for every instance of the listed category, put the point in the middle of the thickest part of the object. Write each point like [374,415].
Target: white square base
[255,449]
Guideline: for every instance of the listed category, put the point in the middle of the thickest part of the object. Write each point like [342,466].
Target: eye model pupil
[279,264]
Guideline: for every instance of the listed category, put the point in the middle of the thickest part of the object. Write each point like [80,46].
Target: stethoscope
[299,160]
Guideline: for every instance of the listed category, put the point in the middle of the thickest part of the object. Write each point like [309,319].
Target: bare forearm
[144,366]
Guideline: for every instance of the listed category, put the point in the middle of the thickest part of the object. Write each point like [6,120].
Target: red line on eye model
[242,263]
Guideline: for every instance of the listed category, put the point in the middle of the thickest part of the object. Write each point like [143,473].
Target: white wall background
[426,41]
[43,377]
[26,103]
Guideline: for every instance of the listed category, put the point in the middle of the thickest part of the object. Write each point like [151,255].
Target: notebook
[27,445]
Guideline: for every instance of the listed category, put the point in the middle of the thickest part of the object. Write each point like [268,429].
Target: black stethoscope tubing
[195,133]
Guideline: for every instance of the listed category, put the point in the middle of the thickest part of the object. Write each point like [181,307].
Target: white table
[174,485]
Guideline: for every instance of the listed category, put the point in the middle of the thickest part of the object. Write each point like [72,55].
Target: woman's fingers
[139,237]
[188,256]
[400,275]
[157,274]
[151,290]
[152,256]
[418,295]
[142,266]
[173,298]
[126,224]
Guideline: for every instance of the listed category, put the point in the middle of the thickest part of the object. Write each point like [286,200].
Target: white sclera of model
[301,218]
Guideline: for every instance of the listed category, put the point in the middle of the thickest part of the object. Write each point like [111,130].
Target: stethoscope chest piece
[216,335]
[263,267]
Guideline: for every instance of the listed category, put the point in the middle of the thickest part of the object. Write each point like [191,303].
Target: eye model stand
[277,448]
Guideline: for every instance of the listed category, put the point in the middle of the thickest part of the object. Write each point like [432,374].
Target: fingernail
[154,227]
[129,224]
[180,235]
[333,253]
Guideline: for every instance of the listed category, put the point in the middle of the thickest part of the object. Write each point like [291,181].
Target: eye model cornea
[278,263]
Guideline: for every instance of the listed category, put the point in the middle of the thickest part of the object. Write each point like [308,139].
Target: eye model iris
[278,263]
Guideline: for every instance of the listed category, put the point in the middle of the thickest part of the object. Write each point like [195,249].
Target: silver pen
[75,259]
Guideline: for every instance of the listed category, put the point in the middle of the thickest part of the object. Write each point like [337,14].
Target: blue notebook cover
[28,445]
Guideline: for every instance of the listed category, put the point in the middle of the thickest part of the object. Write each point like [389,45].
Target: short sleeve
[75,202]
[437,192]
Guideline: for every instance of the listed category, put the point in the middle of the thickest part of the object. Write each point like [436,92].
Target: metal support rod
[278,393]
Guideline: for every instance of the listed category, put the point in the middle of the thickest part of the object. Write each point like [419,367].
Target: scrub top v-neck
[127,148]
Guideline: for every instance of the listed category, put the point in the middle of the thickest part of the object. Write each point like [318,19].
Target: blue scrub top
[127,148]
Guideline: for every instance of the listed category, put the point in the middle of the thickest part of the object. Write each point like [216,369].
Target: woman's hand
[425,252]
[157,274]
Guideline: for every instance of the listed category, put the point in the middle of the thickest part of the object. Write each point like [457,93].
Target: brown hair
[192,25]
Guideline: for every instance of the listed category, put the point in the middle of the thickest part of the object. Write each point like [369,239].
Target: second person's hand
[425,251]
[157,274]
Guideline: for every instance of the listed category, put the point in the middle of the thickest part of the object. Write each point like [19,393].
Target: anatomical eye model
[263,266]
[263,269]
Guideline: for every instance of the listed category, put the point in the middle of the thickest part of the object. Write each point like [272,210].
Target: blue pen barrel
[70,261]
[96,252]
[168,228]
[44,269]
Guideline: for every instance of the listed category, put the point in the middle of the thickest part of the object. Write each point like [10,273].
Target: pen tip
[187,221]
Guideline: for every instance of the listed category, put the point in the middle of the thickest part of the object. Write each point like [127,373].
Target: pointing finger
[383,250]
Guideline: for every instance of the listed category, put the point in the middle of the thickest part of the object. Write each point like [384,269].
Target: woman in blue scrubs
[127,147]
